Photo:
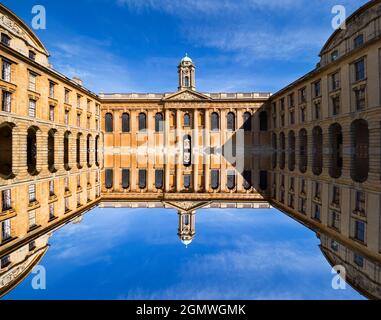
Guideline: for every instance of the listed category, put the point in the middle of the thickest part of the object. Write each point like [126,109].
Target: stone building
[311,150]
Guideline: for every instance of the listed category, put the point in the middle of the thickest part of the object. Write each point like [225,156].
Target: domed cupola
[187,79]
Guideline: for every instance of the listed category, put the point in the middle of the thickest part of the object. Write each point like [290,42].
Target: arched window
[159,177]
[231,121]
[303,156]
[263,121]
[291,151]
[109,125]
[125,178]
[247,179]
[230,180]
[263,180]
[78,142]
[275,150]
[336,154]
[142,178]
[51,151]
[360,150]
[187,150]
[142,121]
[187,120]
[109,178]
[247,121]
[215,175]
[282,142]
[215,119]
[186,81]
[159,122]
[32,151]
[88,150]
[6,151]
[317,151]
[96,150]
[125,122]
[66,150]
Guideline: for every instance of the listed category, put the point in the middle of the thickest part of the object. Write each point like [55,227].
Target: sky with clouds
[136,254]
[135,45]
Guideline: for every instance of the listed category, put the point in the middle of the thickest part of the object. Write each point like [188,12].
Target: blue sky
[135,45]
[136,254]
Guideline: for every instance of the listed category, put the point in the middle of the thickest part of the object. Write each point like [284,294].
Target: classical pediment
[186,205]
[186,95]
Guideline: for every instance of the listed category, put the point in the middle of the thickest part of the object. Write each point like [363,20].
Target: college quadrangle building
[311,150]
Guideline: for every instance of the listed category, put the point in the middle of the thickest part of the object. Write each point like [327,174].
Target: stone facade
[311,150]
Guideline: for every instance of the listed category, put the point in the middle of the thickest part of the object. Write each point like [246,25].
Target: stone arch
[360,150]
[6,146]
[230,121]
[96,150]
[78,150]
[66,150]
[142,121]
[125,122]
[291,150]
[159,122]
[31,152]
[51,150]
[215,121]
[88,150]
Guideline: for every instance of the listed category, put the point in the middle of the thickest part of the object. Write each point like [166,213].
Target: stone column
[59,151]
[19,151]
[167,166]
[195,156]
[42,152]
[206,155]
[179,148]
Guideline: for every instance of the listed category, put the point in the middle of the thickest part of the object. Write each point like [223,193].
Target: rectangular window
[358,41]
[334,245]
[142,178]
[51,89]
[292,117]
[66,184]
[334,55]
[360,230]
[32,218]
[6,101]
[317,89]
[215,175]
[317,107]
[335,81]
[303,114]
[66,117]
[6,199]
[358,260]
[88,122]
[32,55]
[335,105]
[291,100]
[360,99]
[67,96]
[6,71]
[32,81]
[360,201]
[336,196]
[32,192]
[51,211]
[360,70]
[317,213]
[32,245]
[78,199]
[159,173]
[125,178]
[5,230]
[67,207]
[302,95]
[78,120]
[5,261]
[32,108]
[78,101]
[51,113]
[317,190]
[5,40]
[51,188]
[335,220]
[187,181]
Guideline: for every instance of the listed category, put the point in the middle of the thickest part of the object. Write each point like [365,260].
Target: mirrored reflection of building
[311,150]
